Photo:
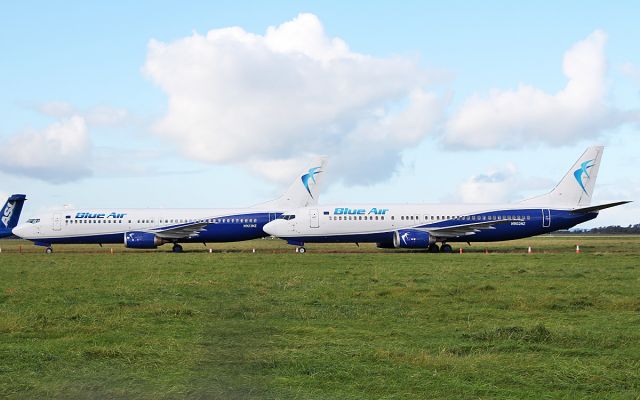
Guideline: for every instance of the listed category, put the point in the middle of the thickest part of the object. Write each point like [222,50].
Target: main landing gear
[445,248]
[48,250]
[176,248]
[301,250]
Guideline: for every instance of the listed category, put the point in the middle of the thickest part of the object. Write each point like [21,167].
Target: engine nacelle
[412,239]
[142,240]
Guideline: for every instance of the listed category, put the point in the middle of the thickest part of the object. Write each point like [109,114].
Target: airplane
[150,228]
[10,214]
[423,226]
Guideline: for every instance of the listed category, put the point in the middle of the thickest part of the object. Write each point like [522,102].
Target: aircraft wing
[467,229]
[182,231]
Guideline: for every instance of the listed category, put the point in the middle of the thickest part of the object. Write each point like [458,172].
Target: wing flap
[467,229]
[181,232]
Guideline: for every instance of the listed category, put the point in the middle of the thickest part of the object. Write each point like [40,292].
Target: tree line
[612,229]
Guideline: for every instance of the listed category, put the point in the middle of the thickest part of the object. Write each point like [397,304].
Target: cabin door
[546,218]
[57,222]
[314,220]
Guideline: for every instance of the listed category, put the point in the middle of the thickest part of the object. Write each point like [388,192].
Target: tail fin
[576,188]
[10,213]
[304,191]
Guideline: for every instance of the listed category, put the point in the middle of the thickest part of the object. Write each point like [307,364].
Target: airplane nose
[271,228]
[19,231]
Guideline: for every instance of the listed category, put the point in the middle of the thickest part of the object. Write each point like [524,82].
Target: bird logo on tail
[583,170]
[311,175]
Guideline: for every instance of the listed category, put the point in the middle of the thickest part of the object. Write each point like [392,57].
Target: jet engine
[412,239]
[142,240]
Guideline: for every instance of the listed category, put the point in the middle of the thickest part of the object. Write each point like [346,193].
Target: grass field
[85,323]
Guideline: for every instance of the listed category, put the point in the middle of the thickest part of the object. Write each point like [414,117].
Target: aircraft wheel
[301,250]
[433,248]
[446,248]
[177,248]
[48,250]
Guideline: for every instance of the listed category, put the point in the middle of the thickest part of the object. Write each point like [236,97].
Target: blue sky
[158,104]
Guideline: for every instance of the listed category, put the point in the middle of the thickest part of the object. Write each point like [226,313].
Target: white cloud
[495,186]
[512,118]
[95,116]
[58,153]
[242,98]
[632,72]
[56,109]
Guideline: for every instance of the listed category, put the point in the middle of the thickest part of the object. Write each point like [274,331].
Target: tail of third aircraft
[576,188]
[304,191]
[10,213]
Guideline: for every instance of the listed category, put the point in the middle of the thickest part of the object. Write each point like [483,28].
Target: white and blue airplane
[423,226]
[150,228]
[10,214]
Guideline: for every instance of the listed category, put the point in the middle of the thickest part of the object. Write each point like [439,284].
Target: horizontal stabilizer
[598,208]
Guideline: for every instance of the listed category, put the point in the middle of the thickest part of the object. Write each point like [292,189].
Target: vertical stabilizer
[304,191]
[576,188]
[10,213]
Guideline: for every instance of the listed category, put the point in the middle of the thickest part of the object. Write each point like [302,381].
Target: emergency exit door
[57,222]
[314,220]
[546,218]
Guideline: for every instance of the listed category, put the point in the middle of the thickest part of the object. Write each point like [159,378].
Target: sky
[220,104]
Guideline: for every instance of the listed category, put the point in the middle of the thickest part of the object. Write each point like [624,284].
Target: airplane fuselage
[447,223]
[106,226]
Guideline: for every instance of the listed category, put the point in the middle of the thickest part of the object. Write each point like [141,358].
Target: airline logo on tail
[310,175]
[6,215]
[583,171]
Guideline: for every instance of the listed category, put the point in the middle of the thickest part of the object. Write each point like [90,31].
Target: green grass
[83,323]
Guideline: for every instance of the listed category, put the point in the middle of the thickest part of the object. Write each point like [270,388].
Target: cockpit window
[288,217]
[33,221]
